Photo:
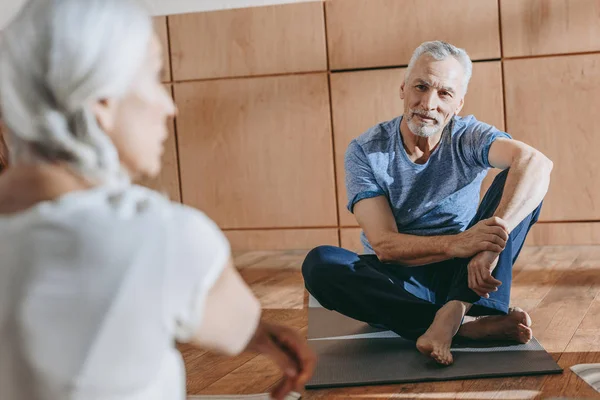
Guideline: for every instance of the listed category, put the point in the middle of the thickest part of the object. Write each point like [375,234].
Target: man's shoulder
[470,124]
[465,122]
[380,135]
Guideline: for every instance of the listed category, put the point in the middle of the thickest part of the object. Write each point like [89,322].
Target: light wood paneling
[281,239]
[281,288]
[536,273]
[203,369]
[568,385]
[275,259]
[249,41]
[587,337]
[535,27]
[257,152]
[161,29]
[255,376]
[573,233]
[484,98]
[375,33]
[365,98]
[558,316]
[350,239]
[359,101]
[168,179]
[551,104]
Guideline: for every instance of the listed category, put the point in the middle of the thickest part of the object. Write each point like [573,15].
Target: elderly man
[433,253]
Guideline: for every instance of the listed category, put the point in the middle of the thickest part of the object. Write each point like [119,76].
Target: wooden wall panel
[257,152]
[168,180]
[375,33]
[485,101]
[564,234]
[249,41]
[364,98]
[161,29]
[281,239]
[360,100]
[551,104]
[535,27]
[236,131]
[484,98]
[350,239]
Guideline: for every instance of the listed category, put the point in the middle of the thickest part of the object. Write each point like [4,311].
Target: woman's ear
[105,111]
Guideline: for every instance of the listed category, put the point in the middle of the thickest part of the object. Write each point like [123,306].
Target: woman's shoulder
[139,203]
[107,206]
[184,218]
[196,235]
[142,196]
[131,210]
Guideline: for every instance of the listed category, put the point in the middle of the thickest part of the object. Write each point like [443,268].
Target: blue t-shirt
[439,197]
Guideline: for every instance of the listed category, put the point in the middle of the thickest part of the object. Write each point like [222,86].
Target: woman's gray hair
[59,57]
[441,50]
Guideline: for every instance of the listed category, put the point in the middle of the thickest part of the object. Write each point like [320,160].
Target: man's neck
[418,148]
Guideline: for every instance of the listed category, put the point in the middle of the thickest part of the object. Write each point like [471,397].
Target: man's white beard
[423,130]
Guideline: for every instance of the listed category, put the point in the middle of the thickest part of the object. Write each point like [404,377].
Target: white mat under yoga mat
[590,373]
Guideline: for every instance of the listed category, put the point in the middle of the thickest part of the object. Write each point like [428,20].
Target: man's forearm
[413,250]
[526,185]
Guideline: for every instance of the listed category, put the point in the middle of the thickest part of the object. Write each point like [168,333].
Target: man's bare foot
[436,348]
[512,327]
[436,342]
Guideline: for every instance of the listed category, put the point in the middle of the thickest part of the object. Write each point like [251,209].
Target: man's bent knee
[324,263]
[315,260]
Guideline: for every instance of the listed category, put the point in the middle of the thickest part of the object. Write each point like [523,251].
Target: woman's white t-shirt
[95,288]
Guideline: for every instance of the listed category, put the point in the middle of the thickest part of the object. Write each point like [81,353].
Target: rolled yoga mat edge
[315,386]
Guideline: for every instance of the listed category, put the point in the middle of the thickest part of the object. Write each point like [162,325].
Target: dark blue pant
[406,299]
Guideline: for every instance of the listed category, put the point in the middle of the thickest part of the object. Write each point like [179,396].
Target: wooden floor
[558,286]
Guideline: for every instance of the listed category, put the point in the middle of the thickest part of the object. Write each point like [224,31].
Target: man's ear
[402,90]
[105,111]
[460,106]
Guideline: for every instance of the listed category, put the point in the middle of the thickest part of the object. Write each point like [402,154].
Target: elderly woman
[99,277]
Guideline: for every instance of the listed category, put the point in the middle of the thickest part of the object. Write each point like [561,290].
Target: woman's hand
[289,351]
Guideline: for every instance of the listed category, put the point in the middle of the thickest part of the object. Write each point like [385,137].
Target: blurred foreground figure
[99,277]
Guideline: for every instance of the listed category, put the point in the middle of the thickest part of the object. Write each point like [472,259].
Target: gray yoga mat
[352,353]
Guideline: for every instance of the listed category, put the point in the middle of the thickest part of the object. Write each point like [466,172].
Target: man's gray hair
[57,59]
[441,50]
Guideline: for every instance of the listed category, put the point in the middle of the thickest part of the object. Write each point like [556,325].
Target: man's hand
[480,268]
[487,235]
[289,351]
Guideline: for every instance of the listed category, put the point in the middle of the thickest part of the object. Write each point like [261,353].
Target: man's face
[432,94]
